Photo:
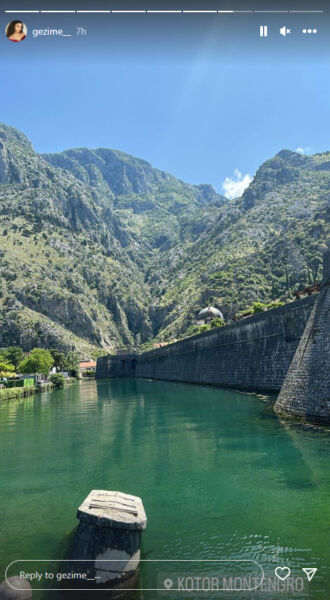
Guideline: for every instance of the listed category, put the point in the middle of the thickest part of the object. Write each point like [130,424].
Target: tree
[14,355]
[38,361]
[66,362]
[6,368]
[60,359]
[72,363]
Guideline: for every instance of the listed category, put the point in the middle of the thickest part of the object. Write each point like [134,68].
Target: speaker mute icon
[263,31]
[310,573]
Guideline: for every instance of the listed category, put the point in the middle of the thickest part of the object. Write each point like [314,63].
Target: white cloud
[234,187]
[301,150]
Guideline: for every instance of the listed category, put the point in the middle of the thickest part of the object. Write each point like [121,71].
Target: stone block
[108,538]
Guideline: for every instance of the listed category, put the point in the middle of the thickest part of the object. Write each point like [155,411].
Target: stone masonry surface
[252,354]
[306,390]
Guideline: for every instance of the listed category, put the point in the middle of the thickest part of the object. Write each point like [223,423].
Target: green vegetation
[6,368]
[99,250]
[72,364]
[203,328]
[19,392]
[217,322]
[258,307]
[57,379]
[88,373]
[13,354]
[274,304]
[22,392]
[66,362]
[38,361]
[60,359]
[195,329]
[9,359]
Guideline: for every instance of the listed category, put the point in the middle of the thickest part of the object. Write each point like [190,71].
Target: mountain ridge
[109,251]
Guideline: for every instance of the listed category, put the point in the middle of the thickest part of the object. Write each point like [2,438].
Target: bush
[14,383]
[57,379]
[88,373]
[258,307]
[192,330]
[217,322]
[275,304]
[203,328]
[7,394]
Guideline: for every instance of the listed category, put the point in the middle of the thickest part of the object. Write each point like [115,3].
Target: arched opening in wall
[134,363]
[122,364]
[291,330]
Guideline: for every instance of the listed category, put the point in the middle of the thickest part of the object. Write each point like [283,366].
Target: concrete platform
[113,509]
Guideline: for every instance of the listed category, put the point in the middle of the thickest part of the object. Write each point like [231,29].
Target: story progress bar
[219,12]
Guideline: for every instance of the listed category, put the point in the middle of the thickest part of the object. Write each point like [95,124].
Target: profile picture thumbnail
[16,31]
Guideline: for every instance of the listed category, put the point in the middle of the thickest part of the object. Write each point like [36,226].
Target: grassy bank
[9,393]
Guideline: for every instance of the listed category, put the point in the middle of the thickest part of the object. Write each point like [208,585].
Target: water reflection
[220,476]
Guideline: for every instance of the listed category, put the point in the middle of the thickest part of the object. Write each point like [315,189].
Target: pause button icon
[263,31]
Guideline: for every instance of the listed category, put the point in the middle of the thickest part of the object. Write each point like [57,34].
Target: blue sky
[204,111]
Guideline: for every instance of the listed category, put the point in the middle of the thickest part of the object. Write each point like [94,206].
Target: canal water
[221,477]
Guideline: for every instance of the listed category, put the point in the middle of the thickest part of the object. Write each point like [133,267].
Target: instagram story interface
[164,300]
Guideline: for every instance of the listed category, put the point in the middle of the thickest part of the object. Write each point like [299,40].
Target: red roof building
[87,365]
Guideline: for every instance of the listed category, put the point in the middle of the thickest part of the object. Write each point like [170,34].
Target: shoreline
[16,393]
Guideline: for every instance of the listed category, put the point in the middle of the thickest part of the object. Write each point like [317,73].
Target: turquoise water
[221,477]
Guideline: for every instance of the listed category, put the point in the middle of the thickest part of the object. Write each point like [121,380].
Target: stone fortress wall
[306,390]
[254,353]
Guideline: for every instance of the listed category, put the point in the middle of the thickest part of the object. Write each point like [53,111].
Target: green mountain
[263,246]
[98,249]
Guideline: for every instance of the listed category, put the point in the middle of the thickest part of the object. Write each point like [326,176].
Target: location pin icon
[168,583]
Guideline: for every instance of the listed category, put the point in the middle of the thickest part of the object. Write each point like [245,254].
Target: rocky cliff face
[98,249]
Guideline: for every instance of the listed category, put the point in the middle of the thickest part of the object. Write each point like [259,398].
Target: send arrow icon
[310,573]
